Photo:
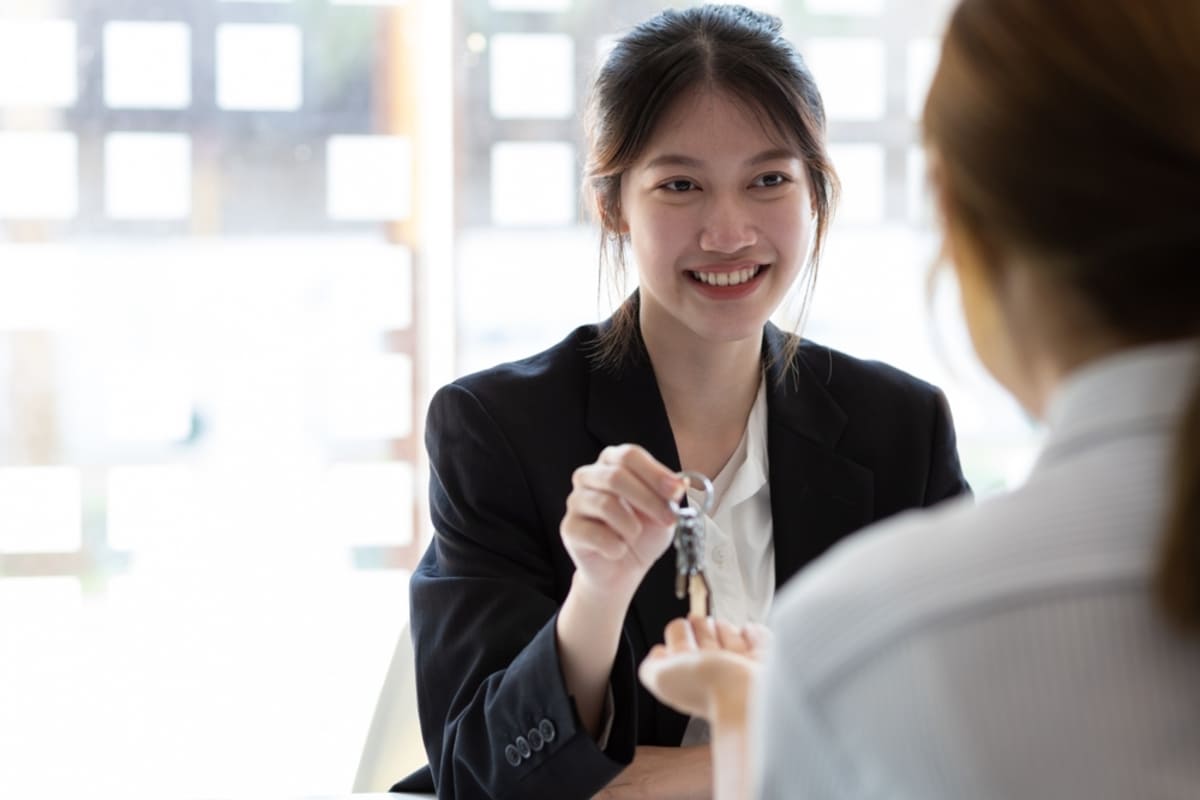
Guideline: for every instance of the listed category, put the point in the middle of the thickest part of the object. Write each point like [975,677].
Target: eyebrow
[677,160]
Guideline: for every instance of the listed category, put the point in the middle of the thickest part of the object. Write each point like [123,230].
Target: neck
[1046,371]
[1053,334]
[708,390]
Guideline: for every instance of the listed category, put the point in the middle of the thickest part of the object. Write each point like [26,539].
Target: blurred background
[241,243]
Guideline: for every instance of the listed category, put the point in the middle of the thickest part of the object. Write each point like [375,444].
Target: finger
[656,652]
[593,536]
[607,508]
[678,636]
[705,632]
[663,482]
[621,482]
[758,637]
[730,638]
[646,539]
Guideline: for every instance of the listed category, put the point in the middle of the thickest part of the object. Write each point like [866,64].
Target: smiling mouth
[735,278]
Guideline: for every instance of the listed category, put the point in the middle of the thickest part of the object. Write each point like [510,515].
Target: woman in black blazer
[548,578]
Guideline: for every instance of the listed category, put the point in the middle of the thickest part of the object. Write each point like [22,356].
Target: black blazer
[848,442]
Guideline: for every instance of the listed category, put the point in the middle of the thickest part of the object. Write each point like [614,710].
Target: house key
[689,547]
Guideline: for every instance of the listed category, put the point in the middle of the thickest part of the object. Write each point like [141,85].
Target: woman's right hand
[618,522]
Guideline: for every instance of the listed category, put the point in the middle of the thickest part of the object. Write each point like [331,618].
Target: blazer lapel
[817,496]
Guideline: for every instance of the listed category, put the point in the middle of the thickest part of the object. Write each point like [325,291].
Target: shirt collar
[751,476]
[1137,389]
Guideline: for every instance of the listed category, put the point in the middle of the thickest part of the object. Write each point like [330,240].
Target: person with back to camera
[1045,643]
[548,578]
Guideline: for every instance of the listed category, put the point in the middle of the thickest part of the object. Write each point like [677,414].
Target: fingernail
[674,488]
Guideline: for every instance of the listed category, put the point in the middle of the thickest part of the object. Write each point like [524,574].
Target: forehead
[712,122]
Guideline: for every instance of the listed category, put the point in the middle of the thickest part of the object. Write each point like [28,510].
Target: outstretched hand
[705,668]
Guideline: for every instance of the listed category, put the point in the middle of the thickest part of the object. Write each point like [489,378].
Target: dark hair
[725,47]
[1067,133]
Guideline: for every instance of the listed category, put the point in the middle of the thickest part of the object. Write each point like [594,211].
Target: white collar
[751,470]
[1135,389]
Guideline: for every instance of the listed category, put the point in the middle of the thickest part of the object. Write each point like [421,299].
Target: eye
[678,185]
[772,180]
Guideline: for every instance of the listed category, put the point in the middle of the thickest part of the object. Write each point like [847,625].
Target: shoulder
[870,588]
[566,359]
[955,563]
[528,385]
[890,417]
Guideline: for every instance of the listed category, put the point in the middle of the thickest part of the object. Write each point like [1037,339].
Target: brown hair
[1068,133]
[720,46]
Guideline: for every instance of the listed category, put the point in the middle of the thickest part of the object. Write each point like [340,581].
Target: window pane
[147,399]
[850,75]
[371,398]
[367,505]
[920,198]
[37,63]
[533,183]
[922,60]
[40,509]
[370,178]
[147,65]
[373,289]
[39,287]
[258,67]
[860,167]
[151,506]
[856,8]
[530,5]
[40,174]
[148,175]
[533,76]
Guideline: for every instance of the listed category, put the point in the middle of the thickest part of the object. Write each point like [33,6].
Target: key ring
[693,478]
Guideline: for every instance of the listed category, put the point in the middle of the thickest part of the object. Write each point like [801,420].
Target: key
[689,548]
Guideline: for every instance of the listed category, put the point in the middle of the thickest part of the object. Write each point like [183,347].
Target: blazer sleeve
[944,478]
[495,714]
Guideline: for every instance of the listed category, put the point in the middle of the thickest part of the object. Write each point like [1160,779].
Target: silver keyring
[693,479]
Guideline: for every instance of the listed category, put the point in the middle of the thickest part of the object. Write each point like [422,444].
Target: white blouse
[739,551]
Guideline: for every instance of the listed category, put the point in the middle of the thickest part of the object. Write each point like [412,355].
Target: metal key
[689,547]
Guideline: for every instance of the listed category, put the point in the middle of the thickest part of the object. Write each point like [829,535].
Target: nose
[728,225]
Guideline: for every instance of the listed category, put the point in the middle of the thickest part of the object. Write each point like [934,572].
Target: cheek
[662,231]
[790,227]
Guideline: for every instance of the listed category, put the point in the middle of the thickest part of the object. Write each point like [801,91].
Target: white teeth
[727,278]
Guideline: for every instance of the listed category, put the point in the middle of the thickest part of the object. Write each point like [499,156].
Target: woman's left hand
[705,668]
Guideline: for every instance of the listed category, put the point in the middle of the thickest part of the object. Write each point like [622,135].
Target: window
[212,363]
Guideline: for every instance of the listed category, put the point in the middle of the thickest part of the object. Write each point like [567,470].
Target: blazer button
[512,756]
[546,728]
[523,747]
[535,739]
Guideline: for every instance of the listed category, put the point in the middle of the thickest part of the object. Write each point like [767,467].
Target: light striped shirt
[1008,649]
